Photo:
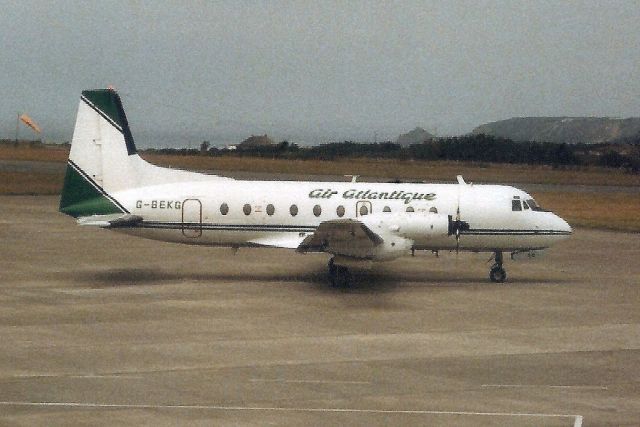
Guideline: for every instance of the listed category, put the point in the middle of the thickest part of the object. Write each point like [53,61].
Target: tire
[497,274]
[333,270]
[332,267]
[342,277]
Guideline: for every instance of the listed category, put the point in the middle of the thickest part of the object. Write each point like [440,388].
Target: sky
[312,72]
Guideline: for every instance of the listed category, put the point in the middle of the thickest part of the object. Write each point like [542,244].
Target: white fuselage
[227,212]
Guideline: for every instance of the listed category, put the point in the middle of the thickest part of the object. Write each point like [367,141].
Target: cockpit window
[525,205]
[535,206]
[515,205]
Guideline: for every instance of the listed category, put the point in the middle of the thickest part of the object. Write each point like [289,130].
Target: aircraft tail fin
[103,157]
[103,160]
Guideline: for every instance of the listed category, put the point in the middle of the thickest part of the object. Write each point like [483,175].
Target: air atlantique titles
[408,197]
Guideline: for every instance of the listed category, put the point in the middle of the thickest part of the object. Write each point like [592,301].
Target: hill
[570,130]
[416,136]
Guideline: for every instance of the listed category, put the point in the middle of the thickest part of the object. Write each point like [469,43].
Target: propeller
[459,225]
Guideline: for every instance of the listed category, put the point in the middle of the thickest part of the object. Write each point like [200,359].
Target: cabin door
[192,218]
[363,208]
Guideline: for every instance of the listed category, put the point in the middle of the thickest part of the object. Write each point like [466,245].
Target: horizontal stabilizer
[110,221]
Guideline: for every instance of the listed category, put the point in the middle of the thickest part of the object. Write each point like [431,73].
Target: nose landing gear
[497,274]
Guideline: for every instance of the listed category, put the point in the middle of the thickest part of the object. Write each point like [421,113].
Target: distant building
[204,147]
[255,142]
[416,136]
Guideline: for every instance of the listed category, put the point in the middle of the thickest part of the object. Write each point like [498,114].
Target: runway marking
[278,380]
[577,419]
[584,387]
[125,376]
[120,376]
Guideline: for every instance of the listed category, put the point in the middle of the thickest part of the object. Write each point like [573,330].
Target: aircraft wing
[342,237]
[287,242]
[110,221]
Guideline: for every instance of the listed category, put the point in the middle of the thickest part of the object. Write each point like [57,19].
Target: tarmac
[100,328]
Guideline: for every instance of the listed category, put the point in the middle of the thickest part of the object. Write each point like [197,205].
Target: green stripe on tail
[80,198]
[105,101]
[108,102]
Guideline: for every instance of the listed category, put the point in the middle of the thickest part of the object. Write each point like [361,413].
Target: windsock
[29,122]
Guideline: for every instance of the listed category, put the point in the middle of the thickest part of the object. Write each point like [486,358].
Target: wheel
[341,278]
[332,268]
[497,274]
[332,272]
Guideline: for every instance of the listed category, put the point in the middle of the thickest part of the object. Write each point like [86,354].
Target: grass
[404,170]
[30,183]
[615,211]
[38,153]
[387,168]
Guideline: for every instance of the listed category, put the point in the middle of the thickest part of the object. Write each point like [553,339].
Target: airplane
[108,185]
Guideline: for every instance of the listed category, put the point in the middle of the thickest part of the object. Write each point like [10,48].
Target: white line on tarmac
[124,377]
[119,376]
[583,387]
[576,418]
[278,380]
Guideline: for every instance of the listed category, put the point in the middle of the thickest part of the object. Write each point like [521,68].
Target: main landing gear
[339,276]
[497,273]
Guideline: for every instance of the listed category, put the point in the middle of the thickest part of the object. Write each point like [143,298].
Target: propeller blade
[458,223]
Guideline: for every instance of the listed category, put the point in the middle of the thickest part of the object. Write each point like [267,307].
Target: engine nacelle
[412,225]
[400,232]
[393,247]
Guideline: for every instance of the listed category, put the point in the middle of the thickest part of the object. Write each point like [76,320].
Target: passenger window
[224,209]
[410,209]
[293,210]
[364,210]
[270,209]
[246,209]
[317,210]
[386,209]
[340,211]
[515,205]
[433,209]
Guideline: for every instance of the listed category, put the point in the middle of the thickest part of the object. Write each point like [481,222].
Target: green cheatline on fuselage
[80,198]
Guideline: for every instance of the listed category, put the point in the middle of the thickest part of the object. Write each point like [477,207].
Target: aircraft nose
[562,226]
